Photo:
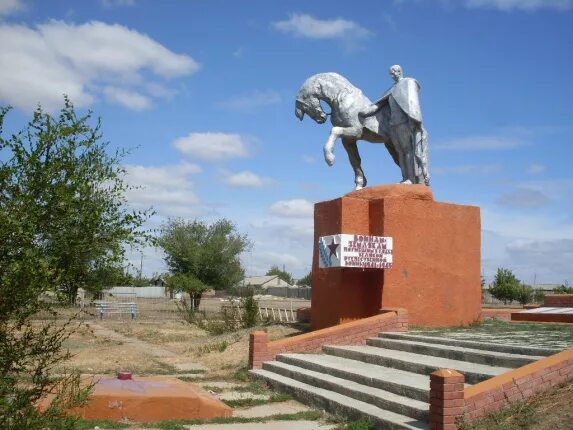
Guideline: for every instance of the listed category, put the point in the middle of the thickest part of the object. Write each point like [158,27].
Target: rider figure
[406,130]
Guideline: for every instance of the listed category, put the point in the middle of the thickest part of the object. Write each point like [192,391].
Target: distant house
[272,285]
[264,282]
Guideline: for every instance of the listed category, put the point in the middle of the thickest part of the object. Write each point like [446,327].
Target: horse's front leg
[335,133]
[355,161]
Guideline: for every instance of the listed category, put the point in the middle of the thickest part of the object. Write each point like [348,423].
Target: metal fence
[270,308]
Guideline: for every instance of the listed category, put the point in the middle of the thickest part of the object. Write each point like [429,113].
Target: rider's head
[396,72]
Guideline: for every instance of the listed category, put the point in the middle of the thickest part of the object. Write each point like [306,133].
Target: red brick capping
[495,393]
[558,300]
[350,333]
[446,399]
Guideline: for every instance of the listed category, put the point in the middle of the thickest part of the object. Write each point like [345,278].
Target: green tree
[563,289]
[202,256]
[505,285]
[285,276]
[306,280]
[524,294]
[62,225]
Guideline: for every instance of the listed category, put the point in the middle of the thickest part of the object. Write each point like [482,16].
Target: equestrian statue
[395,120]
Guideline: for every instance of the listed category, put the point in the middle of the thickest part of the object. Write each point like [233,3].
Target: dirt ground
[222,355]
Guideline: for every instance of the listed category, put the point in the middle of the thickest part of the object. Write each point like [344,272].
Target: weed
[249,401]
[242,374]
[182,424]
[361,424]
[245,403]
[210,347]
[255,387]
[213,389]
[280,397]
[106,424]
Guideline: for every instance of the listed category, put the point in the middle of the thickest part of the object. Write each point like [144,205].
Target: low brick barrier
[558,300]
[351,333]
[503,314]
[450,403]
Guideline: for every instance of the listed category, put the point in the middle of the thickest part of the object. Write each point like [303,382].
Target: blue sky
[205,90]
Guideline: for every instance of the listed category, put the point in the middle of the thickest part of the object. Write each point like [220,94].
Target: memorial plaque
[355,250]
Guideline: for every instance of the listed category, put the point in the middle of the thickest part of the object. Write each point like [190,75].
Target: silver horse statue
[346,102]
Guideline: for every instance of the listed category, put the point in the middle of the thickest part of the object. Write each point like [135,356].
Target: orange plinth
[150,399]
[436,258]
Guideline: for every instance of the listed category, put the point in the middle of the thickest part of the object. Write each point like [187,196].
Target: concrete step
[338,404]
[510,349]
[396,381]
[416,363]
[375,396]
[491,358]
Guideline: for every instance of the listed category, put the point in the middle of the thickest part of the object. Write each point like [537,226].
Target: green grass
[517,416]
[498,327]
[180,424]
[213,388]
[249,402]
[242,374]
[104,424]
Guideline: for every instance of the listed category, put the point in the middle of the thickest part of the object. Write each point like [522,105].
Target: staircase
[387,380]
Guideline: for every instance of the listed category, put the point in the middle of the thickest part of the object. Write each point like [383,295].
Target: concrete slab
[417,363]
[398,381]
[463,353]
[339,404]
[488,346]
[288,407]
[269,425]
[241,395]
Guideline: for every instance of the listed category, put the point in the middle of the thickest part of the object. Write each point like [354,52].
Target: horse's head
[312,108]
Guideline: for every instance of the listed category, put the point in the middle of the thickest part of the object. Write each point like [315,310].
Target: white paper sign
[355,250]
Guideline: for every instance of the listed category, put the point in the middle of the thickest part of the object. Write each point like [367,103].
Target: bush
[523,294]
[250,311]
[505,285]
[563,289]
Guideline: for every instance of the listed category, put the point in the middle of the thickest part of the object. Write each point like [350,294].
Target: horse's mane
[314,84]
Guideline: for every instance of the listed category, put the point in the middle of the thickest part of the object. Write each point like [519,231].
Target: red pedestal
[436,268]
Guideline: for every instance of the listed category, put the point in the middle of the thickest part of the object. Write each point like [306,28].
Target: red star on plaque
[332,248]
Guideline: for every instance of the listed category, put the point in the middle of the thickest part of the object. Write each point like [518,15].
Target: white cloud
[532,245]
[117,3]
[536,169]
[296,208]
[245,179]
[527,5]
[213,146]
[238,53]
[479,169]
[308,159]
[524,198]
[8,7]
[251,101]
[40,64]
[130,99]
[309,27]
[475,143]
[162,187]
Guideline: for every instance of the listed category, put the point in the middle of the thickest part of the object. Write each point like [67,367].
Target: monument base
[436,258]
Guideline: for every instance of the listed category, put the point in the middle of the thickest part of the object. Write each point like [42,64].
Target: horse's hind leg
[355,161]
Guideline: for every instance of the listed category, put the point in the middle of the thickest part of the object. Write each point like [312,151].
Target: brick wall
[450,403]
[351,333]
[558,300]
